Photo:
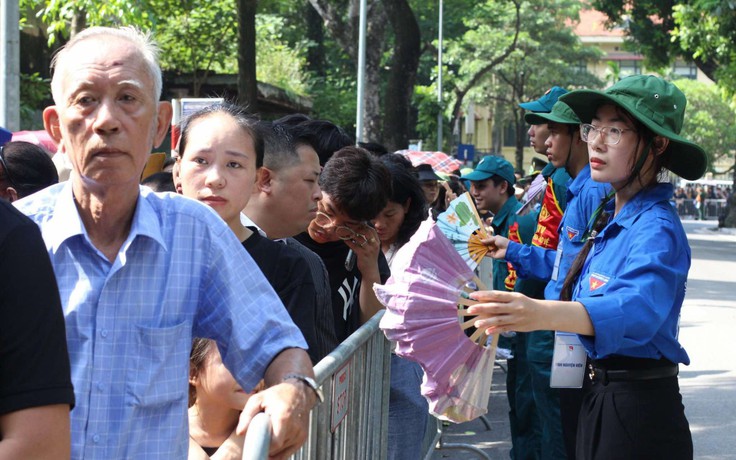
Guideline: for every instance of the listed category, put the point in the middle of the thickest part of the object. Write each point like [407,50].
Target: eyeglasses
[611,134]
[342,232]
[6,171]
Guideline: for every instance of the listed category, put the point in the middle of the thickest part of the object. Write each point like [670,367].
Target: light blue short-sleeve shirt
[180,274]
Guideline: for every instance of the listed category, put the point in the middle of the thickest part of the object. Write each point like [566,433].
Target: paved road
[708,333]
[708,384]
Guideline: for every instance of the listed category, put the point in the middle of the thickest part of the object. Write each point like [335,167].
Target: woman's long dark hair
[601,216]
[576,268]
[405,186]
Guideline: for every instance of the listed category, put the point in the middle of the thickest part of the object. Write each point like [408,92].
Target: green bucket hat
[561,113]
[656,103]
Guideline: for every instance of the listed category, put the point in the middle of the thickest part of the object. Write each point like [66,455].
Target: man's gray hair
[143,41]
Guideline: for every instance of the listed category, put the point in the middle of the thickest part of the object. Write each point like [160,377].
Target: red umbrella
[40,138]
[440,161]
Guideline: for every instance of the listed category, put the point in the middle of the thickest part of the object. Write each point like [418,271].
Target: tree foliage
[279,63]
[341,19]
[59,15]
[546,53]
[492,37]
[706,30]
[709,120]
[318,57]
[34,89]
[647,24]
[191,45]
[195,38]
[701,31]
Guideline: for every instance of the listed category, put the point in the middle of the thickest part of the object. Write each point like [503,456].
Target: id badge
[556,269]
[568,361]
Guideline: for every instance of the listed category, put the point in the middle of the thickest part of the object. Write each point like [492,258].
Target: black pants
[635,419]
[571,399]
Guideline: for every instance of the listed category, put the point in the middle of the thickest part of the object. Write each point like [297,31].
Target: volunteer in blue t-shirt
[624,292]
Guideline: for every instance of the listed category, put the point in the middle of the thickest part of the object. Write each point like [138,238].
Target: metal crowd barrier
[713,208]
[258,438]
[352,422]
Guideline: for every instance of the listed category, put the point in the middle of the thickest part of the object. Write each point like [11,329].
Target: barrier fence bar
[352,422]
[713,208]
[257,438]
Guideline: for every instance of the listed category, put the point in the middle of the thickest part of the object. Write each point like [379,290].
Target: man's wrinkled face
[107,118]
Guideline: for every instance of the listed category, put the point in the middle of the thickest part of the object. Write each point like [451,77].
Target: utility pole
[439,84]
[9,65]
[361,74]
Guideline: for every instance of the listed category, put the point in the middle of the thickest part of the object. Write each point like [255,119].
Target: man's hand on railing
[287,402]
[288,405]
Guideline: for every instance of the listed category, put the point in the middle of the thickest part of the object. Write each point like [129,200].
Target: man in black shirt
[283,203]
[36,392]
[355,188]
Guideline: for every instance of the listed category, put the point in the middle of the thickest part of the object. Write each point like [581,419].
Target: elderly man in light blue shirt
[140,274]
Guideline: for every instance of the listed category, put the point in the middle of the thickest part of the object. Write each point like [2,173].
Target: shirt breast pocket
[160,365]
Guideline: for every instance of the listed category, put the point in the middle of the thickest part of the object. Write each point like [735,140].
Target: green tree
[65,18]
[708,121]
[706,32]
[546,53]
[33,91]
[492,36]
[341,18]
[195,38]
[191,45]
[703,31]
[647,24]
[277,62]
[549,54]
[403,69]
[184,29]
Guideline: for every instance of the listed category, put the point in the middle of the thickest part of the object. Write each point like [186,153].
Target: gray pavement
[708,384]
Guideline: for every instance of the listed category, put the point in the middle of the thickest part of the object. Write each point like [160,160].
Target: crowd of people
[167,312]
[692,199]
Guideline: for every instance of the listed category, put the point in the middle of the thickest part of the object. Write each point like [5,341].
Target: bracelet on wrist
[308,381]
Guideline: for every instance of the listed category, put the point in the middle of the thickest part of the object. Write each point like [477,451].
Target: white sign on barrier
[340,389]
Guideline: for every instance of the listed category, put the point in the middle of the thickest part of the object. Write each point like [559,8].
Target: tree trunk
[375,45]
[79,21]
[707,66]
[247,83]
[520,126]
[402,75]
[344,28]
[315,34]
